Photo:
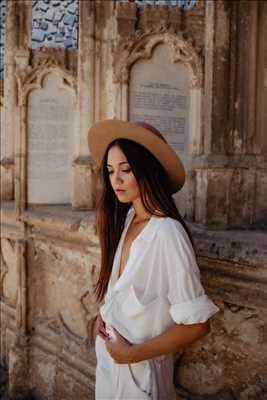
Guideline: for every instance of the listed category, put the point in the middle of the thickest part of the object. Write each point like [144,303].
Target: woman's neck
[141,214]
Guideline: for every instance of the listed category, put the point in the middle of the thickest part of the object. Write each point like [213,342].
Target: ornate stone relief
[3,272]
[8,272]
[142,48]
[32,78]
[62,300]
[59,325]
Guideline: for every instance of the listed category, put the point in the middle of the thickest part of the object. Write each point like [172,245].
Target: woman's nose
[117,177]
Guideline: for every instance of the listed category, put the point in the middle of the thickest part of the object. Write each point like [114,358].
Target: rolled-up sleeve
[189,303]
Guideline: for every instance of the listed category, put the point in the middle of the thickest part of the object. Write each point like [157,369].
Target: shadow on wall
[4,388]
[3,384]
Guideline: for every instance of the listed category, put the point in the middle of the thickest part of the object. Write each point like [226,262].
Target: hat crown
[151,129]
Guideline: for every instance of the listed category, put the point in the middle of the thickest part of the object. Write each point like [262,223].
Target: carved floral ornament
[8,266]
[181,50]
[28,81]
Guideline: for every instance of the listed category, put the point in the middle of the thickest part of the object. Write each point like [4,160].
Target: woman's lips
[119,190]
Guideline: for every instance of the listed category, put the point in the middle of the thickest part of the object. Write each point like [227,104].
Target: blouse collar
[148,232]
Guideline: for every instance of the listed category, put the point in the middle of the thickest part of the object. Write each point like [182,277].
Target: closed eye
[127,171]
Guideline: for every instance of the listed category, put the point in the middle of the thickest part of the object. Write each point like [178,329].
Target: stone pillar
[86,71]
[18,25]
[126,18]
[7,152]
[261,103]
[18,355]
[18,28]
[83,175]
[84,183]
[208,82]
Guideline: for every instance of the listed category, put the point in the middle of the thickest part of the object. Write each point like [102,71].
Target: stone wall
[50,252]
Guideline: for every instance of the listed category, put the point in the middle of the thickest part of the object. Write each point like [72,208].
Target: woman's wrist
[135,353]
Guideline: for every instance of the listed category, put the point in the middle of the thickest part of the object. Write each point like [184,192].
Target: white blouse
[160,284]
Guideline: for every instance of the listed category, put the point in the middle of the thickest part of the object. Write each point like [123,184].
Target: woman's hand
[100,327]
[119,348]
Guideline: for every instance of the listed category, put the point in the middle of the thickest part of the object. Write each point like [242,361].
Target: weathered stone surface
[60,278]
[8,272]
[84,184]
[153,18]
[192,22]
[126,19]
[241,197]
[50,254]
[237,339]
[231,197]
[7,180]
[260,211]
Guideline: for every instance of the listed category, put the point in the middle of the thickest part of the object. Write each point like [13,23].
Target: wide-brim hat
[102,133]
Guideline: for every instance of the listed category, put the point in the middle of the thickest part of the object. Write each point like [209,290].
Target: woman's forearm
[174,338]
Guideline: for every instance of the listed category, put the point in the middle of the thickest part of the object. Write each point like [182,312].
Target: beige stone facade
[50,252]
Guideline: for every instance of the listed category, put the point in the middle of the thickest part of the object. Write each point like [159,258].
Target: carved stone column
[18,355]
[9,100]
[84,183]
[83,175]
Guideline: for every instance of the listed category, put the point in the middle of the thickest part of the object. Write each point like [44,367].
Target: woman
[149,282]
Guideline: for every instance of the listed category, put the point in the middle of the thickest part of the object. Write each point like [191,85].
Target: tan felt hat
[102,133]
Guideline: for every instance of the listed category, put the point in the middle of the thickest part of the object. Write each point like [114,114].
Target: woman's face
[121,177]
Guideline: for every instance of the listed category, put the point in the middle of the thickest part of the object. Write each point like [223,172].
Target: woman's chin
[123,199]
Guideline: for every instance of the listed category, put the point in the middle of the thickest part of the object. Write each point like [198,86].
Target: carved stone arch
[28,81]
[142,48]
[181,52]
[35,77]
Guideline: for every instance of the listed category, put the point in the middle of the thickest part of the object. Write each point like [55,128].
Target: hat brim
[102,133]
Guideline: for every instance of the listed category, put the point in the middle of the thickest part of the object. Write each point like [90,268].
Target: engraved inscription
[50,132]
[159,94]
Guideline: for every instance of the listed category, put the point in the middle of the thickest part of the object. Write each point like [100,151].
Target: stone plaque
[50,142]
[159,94]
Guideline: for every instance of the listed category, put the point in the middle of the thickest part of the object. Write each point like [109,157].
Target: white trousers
[147,380]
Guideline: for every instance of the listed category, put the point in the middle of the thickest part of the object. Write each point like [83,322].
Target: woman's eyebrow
[122,162]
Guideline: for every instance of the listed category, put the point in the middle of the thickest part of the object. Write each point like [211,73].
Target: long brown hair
[155,195]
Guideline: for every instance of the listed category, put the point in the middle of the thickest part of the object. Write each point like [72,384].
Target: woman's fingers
[102,336]
[103,332]
[102,324]
[100,327]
